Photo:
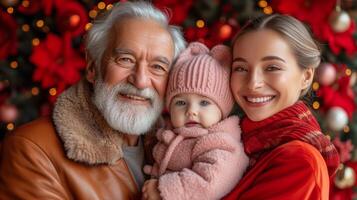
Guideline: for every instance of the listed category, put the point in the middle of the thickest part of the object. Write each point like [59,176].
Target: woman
[274,59]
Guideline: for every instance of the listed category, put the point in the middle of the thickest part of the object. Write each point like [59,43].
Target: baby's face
[194,110]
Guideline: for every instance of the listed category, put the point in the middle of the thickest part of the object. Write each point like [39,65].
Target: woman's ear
[308,76]
[222,54]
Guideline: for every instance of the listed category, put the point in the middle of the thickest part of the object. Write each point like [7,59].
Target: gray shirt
[134,157]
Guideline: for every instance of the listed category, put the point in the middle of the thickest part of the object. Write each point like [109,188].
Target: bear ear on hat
[193,49]
[222,54]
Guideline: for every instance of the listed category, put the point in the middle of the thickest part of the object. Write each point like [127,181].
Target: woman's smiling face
[265,75]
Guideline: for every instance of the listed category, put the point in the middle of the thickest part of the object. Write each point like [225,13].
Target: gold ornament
[339,20]
[345,177]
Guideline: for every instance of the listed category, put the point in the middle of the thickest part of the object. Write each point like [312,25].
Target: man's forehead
[137,34]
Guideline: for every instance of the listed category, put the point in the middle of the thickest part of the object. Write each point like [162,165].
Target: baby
[202,156]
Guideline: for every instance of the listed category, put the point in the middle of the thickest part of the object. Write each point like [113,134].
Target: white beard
[124,116]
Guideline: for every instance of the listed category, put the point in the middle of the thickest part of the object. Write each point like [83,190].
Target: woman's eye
[204,103]
[180,103]
[239,69]
[272,68]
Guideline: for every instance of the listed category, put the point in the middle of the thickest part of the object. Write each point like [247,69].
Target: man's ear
[308,76]
[90,71]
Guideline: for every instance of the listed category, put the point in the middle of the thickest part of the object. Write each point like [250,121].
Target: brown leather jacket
[74,156]
[33,166]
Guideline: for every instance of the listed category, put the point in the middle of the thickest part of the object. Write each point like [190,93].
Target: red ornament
[8,40]
[225,32]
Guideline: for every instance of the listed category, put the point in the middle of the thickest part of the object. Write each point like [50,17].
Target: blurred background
[41,54]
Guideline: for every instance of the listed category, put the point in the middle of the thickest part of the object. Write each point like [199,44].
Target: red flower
[8,40]
[316,13]
[71,17]
[177,10]
[34,6]
[337,41]
[57,63]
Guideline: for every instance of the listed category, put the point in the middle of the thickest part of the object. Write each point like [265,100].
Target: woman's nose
[255,80]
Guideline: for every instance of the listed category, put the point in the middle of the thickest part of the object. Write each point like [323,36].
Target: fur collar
[86,135]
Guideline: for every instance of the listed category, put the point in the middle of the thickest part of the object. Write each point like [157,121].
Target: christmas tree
[42,54]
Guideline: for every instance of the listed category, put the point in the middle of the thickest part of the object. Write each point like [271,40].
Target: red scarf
[293,123]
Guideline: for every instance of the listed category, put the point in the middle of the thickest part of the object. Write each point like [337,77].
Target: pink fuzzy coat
[196,163]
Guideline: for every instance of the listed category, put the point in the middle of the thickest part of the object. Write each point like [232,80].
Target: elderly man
[91,148]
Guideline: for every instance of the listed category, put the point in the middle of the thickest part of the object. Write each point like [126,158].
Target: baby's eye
[180,103]
[205,103]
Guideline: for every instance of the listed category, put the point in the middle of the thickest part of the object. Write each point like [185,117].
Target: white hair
[126,117]
[97,38]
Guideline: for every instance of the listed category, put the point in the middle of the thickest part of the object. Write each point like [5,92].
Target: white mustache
[128,89]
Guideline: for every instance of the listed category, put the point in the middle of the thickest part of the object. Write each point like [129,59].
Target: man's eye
[159,68]
[205,103]
[180,103]
[124,60]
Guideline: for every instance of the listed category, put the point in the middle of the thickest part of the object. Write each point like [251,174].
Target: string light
[52,91]
[315,86]
[92,14]
[35,91]
[200,23]
[40,23]
[346,129]
[25,3]
[101,5]
[87,27]
[316,105]
[263,4]
[13,64]
[268,10]
[348,72]
[25,28]
[109,6]
[10,126]
[35,42]
[10,10]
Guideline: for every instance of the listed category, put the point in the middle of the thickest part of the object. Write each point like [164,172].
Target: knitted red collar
[293,123]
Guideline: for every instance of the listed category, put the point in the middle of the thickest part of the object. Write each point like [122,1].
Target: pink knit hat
[201,71]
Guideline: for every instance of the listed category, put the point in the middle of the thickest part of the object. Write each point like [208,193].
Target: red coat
[279,175]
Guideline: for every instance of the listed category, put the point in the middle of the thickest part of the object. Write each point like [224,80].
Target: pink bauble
[326,74]
[8,113]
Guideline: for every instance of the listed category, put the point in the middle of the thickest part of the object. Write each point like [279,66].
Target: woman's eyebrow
[239,59]
[273,58]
